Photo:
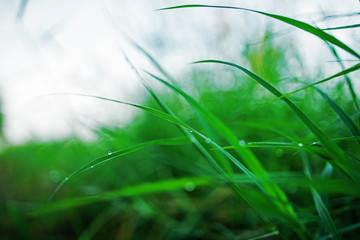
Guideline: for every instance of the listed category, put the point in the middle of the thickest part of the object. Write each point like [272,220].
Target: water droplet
[66,179]
[207,140]
[242,142]
[191,131]
[300,144]
[189,186]
[109,152]
[279,152]
[55,176]
[92,166]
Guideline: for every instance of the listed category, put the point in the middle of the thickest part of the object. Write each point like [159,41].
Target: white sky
[73,46]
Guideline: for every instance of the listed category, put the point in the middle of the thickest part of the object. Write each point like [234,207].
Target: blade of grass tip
[342,27]
[115,154]
[342,73]
[338,159]
[21,10]
[341,113]
[271,189]
[296,23]
[152,60]
[320,206]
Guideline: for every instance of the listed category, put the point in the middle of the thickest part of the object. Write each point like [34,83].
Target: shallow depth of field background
[51,50]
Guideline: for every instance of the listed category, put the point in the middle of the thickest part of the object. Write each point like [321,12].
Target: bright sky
[74,46]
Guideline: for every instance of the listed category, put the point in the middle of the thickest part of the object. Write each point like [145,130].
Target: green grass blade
[296,23]
[225,166]
[137,190]
[342,27]
[320,206]
[115,154]
[342,73]
[347,78]
[180,123]
[324,214]
[266,144]
[349,123]
[267,235]
[343,230]
[339,161]
[289,181]
[252,162]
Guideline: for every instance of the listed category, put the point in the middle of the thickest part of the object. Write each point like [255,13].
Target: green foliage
[203,160]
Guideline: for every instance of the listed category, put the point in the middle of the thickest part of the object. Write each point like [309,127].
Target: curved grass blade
[342,27]
[224,164]
[296,23]
[287,180]
[112,155]
[320,206]
[224,168]
[342,230]
[347,78]
[341,113]
[271,189]
[274,233]
[137,190]
[180,123]
[342,73]
[282,207]
[338,159]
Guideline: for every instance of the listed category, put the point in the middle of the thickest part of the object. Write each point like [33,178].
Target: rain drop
[92,166]
[300,144]
[207,140]
[109,153]
[242,143]
[66,179]
[191,131]
[189,186]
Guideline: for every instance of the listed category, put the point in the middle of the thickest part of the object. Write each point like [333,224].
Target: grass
[202,163]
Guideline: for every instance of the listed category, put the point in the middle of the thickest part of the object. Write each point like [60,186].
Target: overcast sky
[75,46]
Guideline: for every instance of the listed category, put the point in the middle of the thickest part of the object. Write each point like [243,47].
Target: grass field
[231,150]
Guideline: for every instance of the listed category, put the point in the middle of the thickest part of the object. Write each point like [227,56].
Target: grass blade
[112,155]
[320,206]
[287,180]
[349,123]
[339,161]
[342,27]
[342,73]
[224,168]
[272,190]
[296,23]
